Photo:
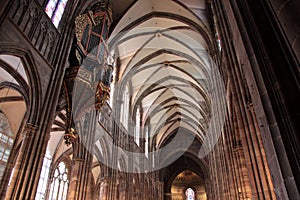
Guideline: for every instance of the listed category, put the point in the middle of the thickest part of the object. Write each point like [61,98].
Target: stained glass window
[6,141]
[190,194]
[60,183]
[42,187]
[55,10]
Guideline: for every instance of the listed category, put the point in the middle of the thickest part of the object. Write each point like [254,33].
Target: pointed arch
[34,85]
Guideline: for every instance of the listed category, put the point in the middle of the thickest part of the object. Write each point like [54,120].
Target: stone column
[23,182]
[80,181]
[10,164]
[104,188]
[244,191]
[135,194]
[160,190]
[167,196]
[122,187]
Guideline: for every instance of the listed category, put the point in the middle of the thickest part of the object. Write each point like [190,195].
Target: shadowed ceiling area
[162,48]
[12,97]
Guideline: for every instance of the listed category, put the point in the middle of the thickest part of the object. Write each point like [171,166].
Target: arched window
[112,88]
[60,183]
[219,43]
[125,108]
[6,141]
[55,10]
[40,194]
[12,109]
[190,194]
[146,135]
[137,127]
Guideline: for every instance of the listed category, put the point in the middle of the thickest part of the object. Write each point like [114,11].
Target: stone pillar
[267,190]
[122,187]
[80,181]
[207,188]
[24,180]
[104,188]
[122,192]
[167,196]
[244,191]
[160,190]
[135,194]
[10,165]
[75,178]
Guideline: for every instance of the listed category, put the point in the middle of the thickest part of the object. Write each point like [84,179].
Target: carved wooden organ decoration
[92,55]
[92,32]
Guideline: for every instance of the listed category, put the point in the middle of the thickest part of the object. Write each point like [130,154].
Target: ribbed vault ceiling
[162,49]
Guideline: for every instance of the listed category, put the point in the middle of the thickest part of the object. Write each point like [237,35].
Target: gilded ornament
[80,24]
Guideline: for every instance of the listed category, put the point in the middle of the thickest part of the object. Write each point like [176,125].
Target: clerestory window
[55,10]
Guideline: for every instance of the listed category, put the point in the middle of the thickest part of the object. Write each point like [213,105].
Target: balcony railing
[34,23]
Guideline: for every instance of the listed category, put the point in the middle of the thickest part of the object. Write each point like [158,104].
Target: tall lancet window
[60,183]
[125,108]
[137,127]
[55,10]
[146,135]
[190,194]
[6,141]
[219,43]
[42,186]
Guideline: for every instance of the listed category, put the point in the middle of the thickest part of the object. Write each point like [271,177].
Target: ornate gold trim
[80,23]
[102,94]
[70,136]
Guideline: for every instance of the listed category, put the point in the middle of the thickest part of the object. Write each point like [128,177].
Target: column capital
[30,129]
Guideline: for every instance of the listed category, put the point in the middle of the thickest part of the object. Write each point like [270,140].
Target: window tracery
[60,183]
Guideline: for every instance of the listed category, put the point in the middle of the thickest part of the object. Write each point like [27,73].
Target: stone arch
[55,165]
[188,161]
[21,90]
[20,98]
[187,188]
[106,153]
[63,158]
[34,85]
[122,164]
